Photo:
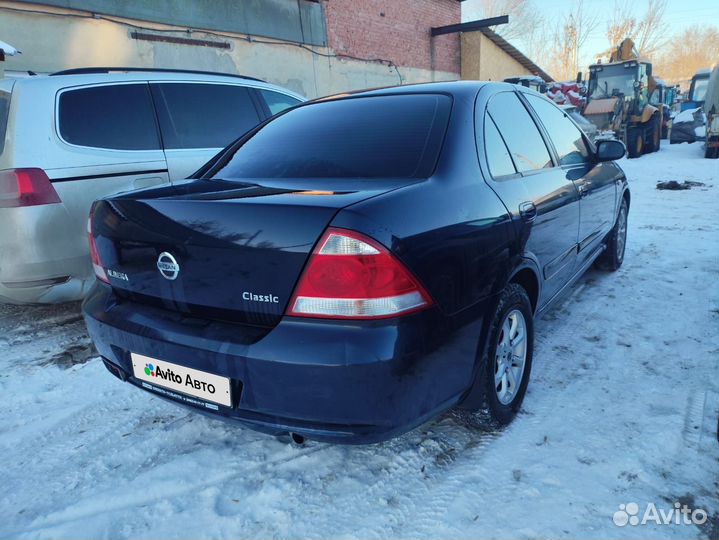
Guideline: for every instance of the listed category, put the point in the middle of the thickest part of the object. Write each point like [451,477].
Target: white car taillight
[350,276]
[26,187]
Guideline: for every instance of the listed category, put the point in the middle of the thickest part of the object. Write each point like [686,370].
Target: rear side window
[519,132]
[278,102]
[116,117]
[498,158]
[203,115]
[396,136]
[4,112]
[567,139]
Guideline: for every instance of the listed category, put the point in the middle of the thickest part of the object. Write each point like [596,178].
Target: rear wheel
[613,255]
[508,354]
[635,142]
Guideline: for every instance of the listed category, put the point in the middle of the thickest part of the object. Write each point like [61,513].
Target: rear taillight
[350,276]
[94,255]
[26,187]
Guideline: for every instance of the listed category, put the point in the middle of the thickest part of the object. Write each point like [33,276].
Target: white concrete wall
[65,39]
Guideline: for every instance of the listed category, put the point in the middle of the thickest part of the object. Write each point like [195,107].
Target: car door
[543,202]
[596,182]
[198,119]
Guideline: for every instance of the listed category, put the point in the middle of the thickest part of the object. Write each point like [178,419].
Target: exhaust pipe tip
[298,439]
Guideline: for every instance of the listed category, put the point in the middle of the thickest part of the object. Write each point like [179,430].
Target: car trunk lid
[217,249]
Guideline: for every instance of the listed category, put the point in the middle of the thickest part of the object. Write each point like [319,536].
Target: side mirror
[610,150]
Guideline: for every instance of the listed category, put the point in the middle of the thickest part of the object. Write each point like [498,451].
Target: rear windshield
[4,111]
[396,136]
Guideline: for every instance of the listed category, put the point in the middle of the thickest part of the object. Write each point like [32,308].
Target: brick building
[398,30]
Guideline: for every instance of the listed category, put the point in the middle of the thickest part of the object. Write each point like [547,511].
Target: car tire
[635,142]
[654,131]
[507,357]
[616,242]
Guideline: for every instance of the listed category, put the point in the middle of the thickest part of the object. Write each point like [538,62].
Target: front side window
[397,136]
[277,102]
[699,89]
[612,80]
[656,97]
[113,117]
[567,138]
[196,115]
[519,132]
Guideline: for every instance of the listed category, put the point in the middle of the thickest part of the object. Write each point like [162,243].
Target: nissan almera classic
[358,264]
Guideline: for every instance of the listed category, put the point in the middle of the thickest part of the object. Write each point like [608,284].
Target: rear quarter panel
[451,230]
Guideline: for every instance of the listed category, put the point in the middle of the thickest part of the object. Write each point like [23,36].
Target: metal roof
[515,53]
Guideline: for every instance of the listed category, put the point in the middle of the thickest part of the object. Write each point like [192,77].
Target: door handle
[528,211]
[582,189]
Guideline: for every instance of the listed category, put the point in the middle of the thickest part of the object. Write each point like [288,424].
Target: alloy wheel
[510,357]
[621,232]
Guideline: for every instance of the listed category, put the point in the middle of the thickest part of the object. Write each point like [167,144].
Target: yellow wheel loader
[618,100]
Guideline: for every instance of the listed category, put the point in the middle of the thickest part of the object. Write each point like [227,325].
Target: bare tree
[570,35]
[652,29]
[648,32]
[621,24]
[695,48]
[524,18]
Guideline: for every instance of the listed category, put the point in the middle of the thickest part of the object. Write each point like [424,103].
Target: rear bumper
[43,259]
[44,291]
[353,382]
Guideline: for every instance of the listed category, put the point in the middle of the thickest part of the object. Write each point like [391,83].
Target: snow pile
[688,126]
[622,408]
[686,116]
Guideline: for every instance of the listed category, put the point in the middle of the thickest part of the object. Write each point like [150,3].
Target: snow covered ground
[622,408]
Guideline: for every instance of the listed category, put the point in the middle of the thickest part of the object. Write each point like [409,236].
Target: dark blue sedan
[358,264]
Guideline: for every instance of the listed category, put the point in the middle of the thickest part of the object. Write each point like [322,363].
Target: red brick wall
[396,30]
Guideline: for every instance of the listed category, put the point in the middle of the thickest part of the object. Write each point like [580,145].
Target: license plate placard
[192,382]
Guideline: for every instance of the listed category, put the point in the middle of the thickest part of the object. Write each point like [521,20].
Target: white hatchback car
[75,136]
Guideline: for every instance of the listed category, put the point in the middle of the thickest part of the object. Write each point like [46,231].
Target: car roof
[62,80]
[454,88]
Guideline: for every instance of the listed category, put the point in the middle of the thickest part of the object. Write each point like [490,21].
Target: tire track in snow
[137,493]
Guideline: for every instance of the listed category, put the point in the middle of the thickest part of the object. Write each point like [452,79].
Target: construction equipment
[711,109]
[618,100]
[663,98]
[697,90]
